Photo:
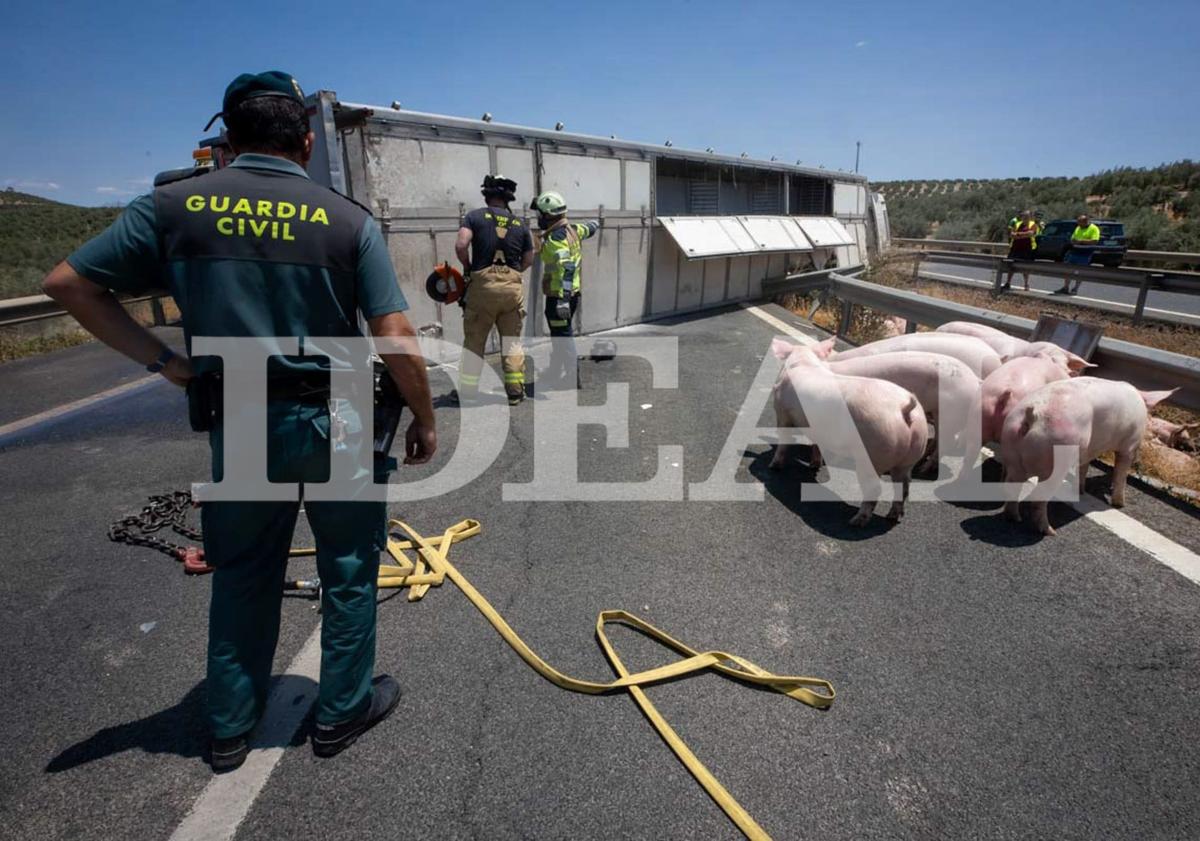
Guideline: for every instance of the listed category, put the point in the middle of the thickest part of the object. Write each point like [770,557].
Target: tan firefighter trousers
[495,296]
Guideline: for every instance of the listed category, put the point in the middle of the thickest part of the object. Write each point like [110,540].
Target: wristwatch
[163,358]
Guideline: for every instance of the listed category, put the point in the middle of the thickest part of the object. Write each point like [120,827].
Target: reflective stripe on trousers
[495,297]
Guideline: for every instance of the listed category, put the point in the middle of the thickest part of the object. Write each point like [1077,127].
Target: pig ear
[1077,363]
[1153,398]
[825,348]
[782,349]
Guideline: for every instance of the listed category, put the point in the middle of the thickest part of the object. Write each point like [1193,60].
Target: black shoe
[228,754]
[515,399]
[456,398]
[332,739]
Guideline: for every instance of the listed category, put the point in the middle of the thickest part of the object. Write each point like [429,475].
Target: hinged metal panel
[701,237]
[824,231]
[775,233]
[707,236]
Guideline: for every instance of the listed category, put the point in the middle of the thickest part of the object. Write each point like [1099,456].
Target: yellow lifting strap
[433,566]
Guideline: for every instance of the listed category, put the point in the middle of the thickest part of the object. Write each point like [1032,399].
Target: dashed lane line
[1159,547]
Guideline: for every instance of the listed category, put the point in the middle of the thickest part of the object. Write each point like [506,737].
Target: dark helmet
[498,185]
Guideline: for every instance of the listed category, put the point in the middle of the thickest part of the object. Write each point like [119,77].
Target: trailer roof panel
[481,128]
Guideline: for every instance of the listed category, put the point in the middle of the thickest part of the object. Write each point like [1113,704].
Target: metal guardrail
[1143,280]
[1173,258]
[804,281]
[16,311]
[950,243]
[1147,368]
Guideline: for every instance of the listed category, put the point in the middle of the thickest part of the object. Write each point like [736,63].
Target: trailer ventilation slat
[702,197]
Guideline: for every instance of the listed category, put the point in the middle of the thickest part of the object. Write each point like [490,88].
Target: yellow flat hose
[433,556]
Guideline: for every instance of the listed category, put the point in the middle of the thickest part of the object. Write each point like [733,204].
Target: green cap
[253,85]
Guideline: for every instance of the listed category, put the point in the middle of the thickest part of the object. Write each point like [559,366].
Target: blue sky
[100,96]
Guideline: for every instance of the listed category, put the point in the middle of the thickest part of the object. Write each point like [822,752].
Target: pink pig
[976,353]
[1010,347]
[888,432]
[946,387]
[1009,384]
[1095,415]
[1172,434]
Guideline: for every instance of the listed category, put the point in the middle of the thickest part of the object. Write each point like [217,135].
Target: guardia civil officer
[494,246]
[257,249]
[562,274]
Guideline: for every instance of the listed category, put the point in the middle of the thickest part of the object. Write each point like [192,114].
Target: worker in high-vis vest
[1023,245]
[494,246]
[1084,239]
[562,275]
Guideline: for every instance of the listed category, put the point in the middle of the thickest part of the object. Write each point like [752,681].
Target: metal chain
[163,510]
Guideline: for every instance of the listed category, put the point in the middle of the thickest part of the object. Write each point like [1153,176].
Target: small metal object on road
[603,350]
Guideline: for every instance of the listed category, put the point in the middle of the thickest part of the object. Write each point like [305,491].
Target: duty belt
[206,395]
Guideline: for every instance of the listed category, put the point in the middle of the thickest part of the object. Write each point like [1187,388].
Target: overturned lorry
[680,231]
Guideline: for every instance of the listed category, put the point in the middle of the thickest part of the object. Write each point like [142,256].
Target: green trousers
[248,543]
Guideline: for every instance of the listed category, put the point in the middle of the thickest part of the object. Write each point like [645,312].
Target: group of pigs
[976,385]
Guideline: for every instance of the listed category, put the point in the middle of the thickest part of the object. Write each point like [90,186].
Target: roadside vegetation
[17,348]
[1160,207]
[36,233]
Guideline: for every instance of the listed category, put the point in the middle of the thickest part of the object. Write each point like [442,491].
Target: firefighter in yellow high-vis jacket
[562,273]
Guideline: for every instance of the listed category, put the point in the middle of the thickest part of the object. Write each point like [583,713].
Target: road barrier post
[1148,280]
[1000,266]
[847,317]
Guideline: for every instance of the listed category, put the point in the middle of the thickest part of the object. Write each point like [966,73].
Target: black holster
[389,404]
[204,395]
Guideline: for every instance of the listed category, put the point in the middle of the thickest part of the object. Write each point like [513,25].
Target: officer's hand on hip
[178,370]
[420,443]
[563,309]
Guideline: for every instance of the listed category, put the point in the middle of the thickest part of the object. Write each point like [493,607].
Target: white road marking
[226,800]
[76,405]
[988,284]
[780,325]
[1162,549]
[1140,536]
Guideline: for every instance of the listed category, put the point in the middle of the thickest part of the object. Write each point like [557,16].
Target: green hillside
[36,233]
[1160,207]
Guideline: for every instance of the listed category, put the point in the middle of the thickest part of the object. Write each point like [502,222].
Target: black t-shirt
[483,223]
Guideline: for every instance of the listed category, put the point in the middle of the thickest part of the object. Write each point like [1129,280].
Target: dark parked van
[1055,239]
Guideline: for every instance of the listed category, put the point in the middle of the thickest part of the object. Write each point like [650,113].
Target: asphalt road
[991,684]
[1170,304]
